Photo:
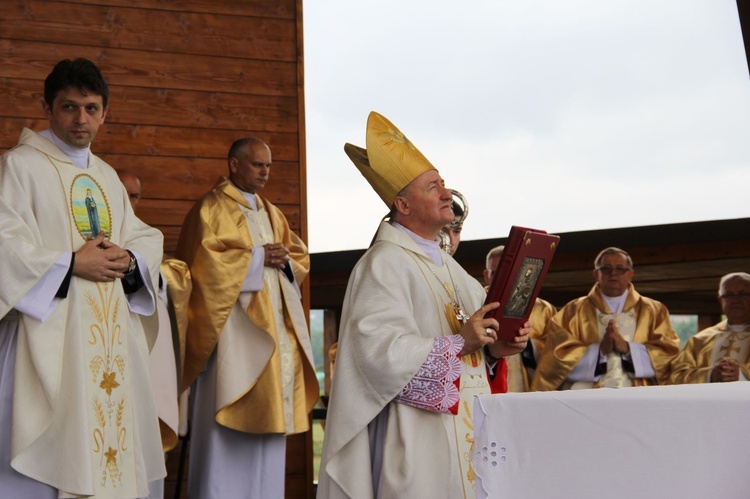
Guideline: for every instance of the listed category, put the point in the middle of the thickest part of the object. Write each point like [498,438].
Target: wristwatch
[133,263]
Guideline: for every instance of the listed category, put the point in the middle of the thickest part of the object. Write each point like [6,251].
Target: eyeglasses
[608,269]
[729,296]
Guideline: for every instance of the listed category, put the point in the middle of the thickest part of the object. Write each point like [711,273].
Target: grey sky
[555,114]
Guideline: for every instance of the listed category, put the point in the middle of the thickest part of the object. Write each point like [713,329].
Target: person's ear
[402,205]
[46,109]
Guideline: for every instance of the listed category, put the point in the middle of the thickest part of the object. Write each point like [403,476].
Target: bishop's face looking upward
[250,168]
[425,206]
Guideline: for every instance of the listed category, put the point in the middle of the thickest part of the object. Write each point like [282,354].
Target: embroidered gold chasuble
[262,337]
[578,325]
[84,419]
[705,349]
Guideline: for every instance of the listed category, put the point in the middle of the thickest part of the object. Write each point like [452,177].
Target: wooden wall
[186,79]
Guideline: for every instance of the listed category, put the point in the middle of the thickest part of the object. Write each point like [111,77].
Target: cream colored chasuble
[732,344]
[105,347]
[473,374]
[236,346]
[616,377]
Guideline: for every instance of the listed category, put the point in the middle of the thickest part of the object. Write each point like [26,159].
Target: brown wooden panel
[171,236]
[295,456]
[172,233]
[169,107]
[151,30]
[283,9]
[172,141]
[160,141]
[172,178]
[162,213]
[33,60]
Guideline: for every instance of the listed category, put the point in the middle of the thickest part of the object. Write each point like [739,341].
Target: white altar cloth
[686,441]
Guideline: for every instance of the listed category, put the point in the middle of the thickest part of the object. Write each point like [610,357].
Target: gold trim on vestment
[217,245]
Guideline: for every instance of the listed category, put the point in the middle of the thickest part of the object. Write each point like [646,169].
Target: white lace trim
[433,387]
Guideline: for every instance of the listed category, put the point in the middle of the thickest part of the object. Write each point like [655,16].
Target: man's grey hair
[393,213]
[612,251]
[741,276]
[496,251]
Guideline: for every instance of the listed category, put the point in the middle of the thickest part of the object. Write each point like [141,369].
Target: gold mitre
[390,161]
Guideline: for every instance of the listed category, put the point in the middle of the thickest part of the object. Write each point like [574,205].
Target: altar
[686,441]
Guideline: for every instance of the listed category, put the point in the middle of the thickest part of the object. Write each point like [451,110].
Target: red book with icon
[519,277]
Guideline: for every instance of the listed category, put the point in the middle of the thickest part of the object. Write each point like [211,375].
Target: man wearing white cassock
[77,415]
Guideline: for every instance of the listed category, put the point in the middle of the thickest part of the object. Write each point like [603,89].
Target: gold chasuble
[705,349]
[265,376]
[84,419]
[582,322]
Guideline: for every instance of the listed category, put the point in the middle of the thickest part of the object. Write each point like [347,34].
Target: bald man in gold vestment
[613,337]
[248,353]
[720,353]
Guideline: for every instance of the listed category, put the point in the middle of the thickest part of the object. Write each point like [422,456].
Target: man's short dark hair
[79,73]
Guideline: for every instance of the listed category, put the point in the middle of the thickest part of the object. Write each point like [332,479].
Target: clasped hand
[100,260]
[479,332]
[276,255]
[613,341]
[726,369]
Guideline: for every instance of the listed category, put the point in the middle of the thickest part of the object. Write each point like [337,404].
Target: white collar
[249,196]
[79,157]
[431,248]
[615,303]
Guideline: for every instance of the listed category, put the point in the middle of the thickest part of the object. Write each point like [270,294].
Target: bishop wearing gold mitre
[413,343]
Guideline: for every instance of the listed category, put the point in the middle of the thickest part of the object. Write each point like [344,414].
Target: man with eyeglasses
[613,337]
[720,353]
